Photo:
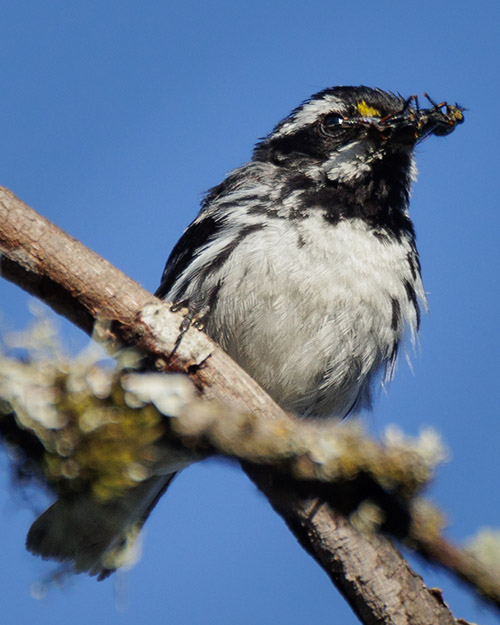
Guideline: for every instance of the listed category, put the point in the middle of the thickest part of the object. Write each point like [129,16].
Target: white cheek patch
[347,162]
[350,161]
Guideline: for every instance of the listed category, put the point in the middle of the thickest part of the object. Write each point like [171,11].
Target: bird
[303,266]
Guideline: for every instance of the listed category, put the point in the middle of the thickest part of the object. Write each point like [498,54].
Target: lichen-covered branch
[103,432]
[87,414]
[77,283]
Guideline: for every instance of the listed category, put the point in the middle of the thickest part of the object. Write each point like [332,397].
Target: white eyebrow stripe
[310,112]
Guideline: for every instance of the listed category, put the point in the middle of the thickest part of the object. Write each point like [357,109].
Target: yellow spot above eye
[367,111]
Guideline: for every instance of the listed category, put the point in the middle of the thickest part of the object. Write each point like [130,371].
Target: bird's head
[341,133]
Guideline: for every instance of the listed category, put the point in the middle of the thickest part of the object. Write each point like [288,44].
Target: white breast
[307,308]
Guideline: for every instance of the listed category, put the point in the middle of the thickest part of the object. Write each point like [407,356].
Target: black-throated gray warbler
[303,266]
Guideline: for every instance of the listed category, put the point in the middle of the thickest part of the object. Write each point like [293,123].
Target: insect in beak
[440,120]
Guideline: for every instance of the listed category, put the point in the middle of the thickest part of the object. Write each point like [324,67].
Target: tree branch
[42,259]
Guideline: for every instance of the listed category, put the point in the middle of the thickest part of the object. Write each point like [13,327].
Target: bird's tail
[95,537]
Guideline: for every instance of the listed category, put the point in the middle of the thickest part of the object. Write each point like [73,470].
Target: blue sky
[115,117]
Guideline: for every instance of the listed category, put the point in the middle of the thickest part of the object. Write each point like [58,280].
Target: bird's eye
[333,120]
